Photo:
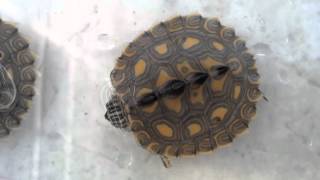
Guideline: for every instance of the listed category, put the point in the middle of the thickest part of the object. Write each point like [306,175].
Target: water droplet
[123,160]
[283,76]
[261,49]
[105,42]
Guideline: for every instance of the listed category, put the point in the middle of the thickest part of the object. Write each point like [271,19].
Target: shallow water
[65,136]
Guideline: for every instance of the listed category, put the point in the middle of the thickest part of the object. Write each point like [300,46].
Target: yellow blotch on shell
[184,68]
[140,67]
[208,62]
[190,42]
[163,78]
[218,45]
[150,108]
[173,104]
[194,129]
[161,48]
[143,91]
[220,113]
[236,92]
[164,130]
[217,85]
[197,95]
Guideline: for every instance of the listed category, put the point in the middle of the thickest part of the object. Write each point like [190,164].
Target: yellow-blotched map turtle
[186,86]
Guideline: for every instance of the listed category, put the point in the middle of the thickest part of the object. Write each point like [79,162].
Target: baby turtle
[186,86]
[17,77]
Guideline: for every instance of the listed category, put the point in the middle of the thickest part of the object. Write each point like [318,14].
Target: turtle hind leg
[166,161]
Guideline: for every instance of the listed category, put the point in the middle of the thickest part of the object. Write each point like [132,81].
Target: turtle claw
[263,96]
[166,161]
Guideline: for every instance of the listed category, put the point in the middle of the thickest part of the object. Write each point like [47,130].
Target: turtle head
[115,113]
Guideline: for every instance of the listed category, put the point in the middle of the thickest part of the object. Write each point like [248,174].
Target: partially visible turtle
[17,77]
[186,86]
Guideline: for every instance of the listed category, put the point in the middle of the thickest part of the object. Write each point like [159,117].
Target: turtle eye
[219,70]
[147,99]
[173,87]
[197,78]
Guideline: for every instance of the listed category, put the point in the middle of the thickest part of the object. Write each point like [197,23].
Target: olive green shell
[18,62]
[201,119]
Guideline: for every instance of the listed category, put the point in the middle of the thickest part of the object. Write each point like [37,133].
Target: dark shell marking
[18,62]
[202,118]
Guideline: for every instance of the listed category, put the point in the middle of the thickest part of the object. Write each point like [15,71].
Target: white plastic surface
[64,136]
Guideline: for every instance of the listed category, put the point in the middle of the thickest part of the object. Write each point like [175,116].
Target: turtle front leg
[166,161]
